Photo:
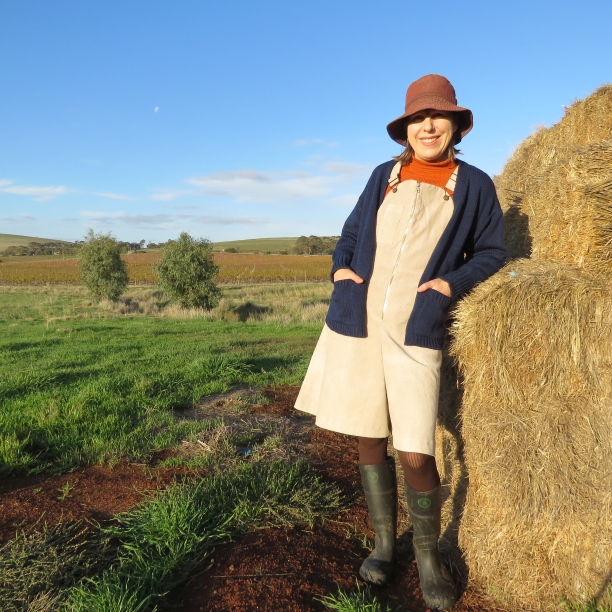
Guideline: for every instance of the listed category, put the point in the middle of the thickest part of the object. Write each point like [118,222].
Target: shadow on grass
[248,310]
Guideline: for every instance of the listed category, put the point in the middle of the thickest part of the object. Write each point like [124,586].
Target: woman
[426,229]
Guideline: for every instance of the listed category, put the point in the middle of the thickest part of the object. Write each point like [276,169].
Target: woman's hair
[406,155]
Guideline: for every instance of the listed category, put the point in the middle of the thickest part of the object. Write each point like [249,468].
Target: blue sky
[240,119]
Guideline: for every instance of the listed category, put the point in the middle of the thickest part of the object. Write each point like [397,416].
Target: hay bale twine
[533,346]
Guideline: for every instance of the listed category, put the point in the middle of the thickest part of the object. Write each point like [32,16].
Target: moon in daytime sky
[156,109]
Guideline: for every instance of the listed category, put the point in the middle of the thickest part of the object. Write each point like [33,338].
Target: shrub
[186,272]
[102,270]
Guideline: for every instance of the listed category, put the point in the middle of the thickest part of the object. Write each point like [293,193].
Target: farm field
[234,268]
[174,430]
[257,244]
[82,385]
[7,240]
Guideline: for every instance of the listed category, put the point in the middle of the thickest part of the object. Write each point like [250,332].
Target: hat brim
[397,128]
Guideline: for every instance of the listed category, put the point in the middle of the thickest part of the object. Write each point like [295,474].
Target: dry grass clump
[535,185]
[279,303]
[533,345]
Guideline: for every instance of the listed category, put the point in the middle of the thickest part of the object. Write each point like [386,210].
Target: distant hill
[274,245]
[7,240]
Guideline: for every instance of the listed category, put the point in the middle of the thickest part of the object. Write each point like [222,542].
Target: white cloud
[254,186]
[168,195]
[345,169]
[40,194]
[162,220]
[113,196]
[250,185]
[20,219]
[94,214]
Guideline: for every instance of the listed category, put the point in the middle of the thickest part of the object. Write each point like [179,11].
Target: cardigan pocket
[428,316]
[347,304]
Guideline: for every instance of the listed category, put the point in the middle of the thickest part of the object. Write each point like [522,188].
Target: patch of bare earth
[274,569]
[288,569]
[96,492]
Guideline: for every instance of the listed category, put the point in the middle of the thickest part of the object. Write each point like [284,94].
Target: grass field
[273,245]
[234,268]
[7,240]
[80,383]
[84,383]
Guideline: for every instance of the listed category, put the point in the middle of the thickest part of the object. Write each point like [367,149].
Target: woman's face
[430,134]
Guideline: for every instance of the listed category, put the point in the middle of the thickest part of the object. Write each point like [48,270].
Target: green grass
[131,565]
[79,385]
[7,240]
[274,245]
[38,569]
[360,600]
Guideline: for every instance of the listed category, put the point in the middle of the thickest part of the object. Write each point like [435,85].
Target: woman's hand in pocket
[347,274]
[438,284]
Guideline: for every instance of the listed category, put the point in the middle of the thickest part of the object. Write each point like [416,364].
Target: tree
[315,245]
[103,271]
[187,272]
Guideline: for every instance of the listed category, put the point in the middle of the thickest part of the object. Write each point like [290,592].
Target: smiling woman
[425,230]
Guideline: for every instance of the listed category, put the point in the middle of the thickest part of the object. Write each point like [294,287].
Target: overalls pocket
[385,231]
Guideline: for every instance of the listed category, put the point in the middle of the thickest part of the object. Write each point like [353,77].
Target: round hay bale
[570,213]
[533,346]
[585,122]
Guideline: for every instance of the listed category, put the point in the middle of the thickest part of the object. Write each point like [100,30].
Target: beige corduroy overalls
[368,386]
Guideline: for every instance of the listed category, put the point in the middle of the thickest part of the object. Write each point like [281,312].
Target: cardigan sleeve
[359,232]
[485,252]
[345,247]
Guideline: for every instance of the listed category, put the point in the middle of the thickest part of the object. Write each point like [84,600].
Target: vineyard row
[234,268]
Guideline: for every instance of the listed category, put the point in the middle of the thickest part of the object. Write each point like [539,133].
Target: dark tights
[420,471]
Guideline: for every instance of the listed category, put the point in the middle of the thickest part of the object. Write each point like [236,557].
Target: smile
[429,141]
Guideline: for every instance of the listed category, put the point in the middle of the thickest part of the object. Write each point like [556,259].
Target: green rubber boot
[381,494]
[439,590]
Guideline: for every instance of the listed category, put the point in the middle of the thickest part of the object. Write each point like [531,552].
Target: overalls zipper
[399,253]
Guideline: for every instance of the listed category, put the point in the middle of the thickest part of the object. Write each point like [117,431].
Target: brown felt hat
[435,92]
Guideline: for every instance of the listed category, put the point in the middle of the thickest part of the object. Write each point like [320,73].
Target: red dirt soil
[273,570]
[284,570]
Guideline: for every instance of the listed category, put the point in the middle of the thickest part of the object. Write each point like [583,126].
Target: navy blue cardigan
[470,250]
